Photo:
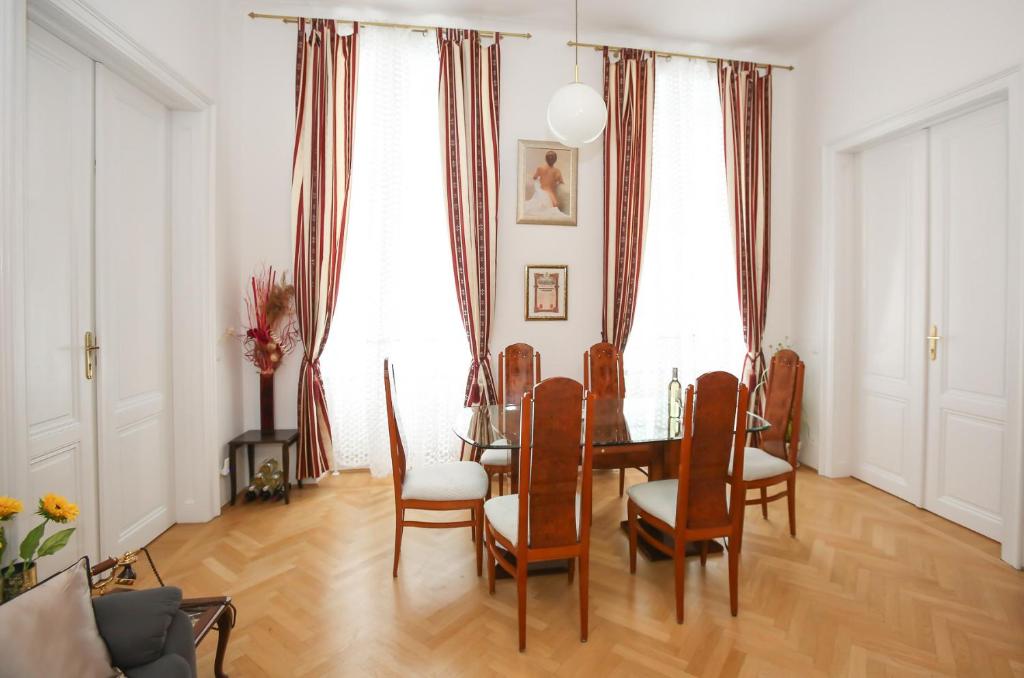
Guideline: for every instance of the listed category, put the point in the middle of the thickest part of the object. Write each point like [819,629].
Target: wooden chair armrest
[205,602]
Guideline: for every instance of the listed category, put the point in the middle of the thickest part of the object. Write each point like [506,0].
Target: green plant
[53,508]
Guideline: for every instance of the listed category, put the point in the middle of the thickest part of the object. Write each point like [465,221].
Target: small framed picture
[547,183]
[547,292]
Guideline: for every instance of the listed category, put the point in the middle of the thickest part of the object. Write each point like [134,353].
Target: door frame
[196,493]
[838,205]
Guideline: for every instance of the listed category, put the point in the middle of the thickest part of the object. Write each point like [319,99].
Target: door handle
[90,358]
[933,342]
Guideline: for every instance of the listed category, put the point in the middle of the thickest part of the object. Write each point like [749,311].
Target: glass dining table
[628,432]
[631,431]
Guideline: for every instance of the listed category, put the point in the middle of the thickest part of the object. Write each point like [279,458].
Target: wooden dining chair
[547,519]
[774,461]
[518,372]
[433,487]
[603,376]
[699,505]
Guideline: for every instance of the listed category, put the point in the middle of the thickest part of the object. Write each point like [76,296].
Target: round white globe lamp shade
[576,114]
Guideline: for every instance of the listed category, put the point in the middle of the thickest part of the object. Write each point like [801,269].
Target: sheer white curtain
[397,294]
[687,315]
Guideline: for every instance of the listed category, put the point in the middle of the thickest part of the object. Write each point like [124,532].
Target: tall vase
[21,580]
[267,402]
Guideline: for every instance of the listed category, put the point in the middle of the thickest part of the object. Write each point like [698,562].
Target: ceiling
[777,26]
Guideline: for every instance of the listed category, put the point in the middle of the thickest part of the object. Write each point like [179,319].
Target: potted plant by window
[19,574]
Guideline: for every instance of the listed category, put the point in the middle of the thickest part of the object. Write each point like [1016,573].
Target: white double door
[96,259]
[938,344]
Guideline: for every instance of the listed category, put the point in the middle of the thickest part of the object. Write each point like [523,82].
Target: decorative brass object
[121,572]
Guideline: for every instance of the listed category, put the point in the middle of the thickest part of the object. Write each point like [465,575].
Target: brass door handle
[933,342]
[90,359]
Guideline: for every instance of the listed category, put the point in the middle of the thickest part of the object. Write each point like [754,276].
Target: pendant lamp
[577,113]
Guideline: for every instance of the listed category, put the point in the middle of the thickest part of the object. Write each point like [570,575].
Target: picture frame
[546,294]
[547,183]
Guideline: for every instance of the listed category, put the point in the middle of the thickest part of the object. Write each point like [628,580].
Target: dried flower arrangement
[272,333]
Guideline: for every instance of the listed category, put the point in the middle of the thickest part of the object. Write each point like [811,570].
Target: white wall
[182,33]
[258,101]
[881,59]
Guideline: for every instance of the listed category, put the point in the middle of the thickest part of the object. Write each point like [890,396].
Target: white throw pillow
[51,631]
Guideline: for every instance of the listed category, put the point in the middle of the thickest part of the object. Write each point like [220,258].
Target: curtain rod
[412,27]
[573,43]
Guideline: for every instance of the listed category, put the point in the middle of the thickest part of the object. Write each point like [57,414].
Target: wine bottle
[675,396]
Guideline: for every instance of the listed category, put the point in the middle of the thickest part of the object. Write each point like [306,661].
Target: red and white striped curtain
[629,94]
[468,102]
[747,116]
[325,91]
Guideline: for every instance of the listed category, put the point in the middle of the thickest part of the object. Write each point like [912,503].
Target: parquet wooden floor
[871,586]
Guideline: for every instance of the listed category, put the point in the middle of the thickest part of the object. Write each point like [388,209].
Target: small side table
[209,613]
[250,439]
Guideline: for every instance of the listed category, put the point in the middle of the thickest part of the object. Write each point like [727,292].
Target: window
[687,315]
[397,294]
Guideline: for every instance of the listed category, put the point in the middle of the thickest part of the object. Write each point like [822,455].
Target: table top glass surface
[617,421]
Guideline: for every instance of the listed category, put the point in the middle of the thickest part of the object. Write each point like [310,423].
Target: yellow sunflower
[57,508]
[8,507]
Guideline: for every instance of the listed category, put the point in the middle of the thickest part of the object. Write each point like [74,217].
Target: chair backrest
[398,466]
[518,371]
[602,371]
[714,424]
[549,465]
[783,403]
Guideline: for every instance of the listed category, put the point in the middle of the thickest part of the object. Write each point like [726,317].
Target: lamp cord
[576,47]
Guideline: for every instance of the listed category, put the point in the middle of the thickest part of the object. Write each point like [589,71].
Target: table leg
[656,469]
[252,460]
[224,622]
[233,471]
[513,477]
[284,462]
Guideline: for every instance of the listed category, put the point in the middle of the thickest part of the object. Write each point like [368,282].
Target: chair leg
[472,526]
[791,500]
[679,562]
[584,596]
[501,483]
[521,595]
[399,520]
[734,575]
[622,481]
[764,503]
[478,528]
[491,566]
[572,569]
[490,479]
[704,553]
[632,517]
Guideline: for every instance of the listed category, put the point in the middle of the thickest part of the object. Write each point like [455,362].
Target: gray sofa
[146,632]
[57,629]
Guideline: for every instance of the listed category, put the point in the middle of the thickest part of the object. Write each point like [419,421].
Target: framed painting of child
[547,183]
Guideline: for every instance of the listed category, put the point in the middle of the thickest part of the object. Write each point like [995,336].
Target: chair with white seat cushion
[503,515]
[548,519]
[696,506]
[604,376]
[497,462]
[518,371]
[440,487]
[774,460]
